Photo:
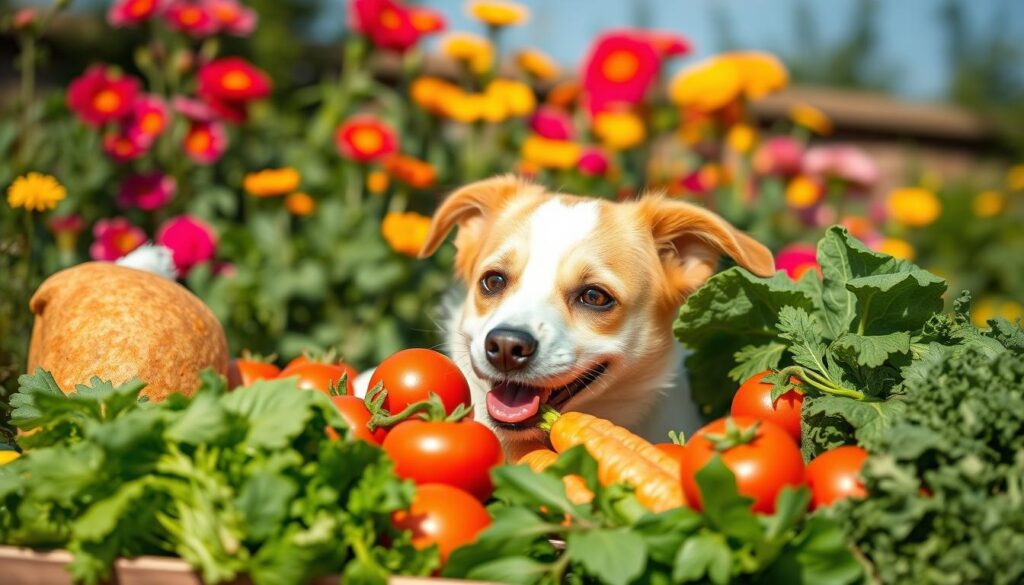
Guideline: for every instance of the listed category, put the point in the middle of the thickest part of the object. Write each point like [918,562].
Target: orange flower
[300,204]
[554,154]
[536,64]
[377,182]
[619,130]
[564,95]
[1015,177]
[811,118]
[431,93]
[516,96]
[473,50]
[365,139]
[411,171]
[721,80]
[405,232]
[271,182]
[497,13]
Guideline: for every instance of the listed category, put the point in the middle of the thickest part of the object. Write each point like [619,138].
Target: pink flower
[193,109]
[131,12]
[146,191]
[796,259]
[552,123]
[205,142]
[780,156]
[113,238]
[123,147]
[101,95]
[846,163]
[593,162]
[620,68]
[24,18]
[190,240]
[234,19]
[190,18]
[148,120]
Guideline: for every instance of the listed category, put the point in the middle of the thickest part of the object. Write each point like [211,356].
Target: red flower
[233,18]
[130,12]
[101,95]
[195,20]
[113,238]
[668,44]
[148,120]
[205,142]
[593,162]
[386,23]
[426,21]
[147,191]
[233,79]
[123,147]
[365,139]
[619,69]
[796,259]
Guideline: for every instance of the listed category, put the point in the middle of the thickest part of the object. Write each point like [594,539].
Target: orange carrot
[575,488]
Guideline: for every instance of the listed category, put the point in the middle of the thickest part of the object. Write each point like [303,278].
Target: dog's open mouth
[512,404]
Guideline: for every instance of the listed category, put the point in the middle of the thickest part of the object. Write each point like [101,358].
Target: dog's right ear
[470,209]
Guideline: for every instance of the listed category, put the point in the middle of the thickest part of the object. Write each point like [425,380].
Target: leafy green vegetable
[242,482]
[614,540]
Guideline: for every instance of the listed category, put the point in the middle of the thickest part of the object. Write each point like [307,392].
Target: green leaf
[724,508]
[806,338]
[276,412]
[26,414]
[102,518]
[790,508]
[518,484]
[263,502]
[665,532]
[577,461]
[870,419]
[888,303]
[204,421]
[616,556]
[871,350]
[706,554]
[514,570]
[512,531]
[818,555]
[754,359]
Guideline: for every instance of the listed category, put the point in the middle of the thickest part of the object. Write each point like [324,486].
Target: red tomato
[411,375]
[354,411]
[243,372]
[298,361]
[320,377]
[835,475]
[762,467]
[754,399]
[442,515]
[459,454]
[673,450]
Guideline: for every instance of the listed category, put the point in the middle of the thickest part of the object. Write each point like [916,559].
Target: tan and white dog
[571,301]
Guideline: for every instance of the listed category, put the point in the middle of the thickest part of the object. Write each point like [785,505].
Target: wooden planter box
[21,566]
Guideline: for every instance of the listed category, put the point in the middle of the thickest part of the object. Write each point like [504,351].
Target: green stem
[30,236]
[28,85]
[821,383]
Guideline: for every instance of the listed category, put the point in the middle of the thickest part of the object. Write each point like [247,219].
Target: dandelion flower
[35,192]
[405,232]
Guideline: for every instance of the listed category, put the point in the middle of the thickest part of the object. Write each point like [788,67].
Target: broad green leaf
[871,350]
[103,517]
[513,530]
[806,339]
[263,502]
[26,414]
[705,555]
[276,412]
[616,556]
[577,461]
[870,419]
[203,421]
[790,508]
[888,303]
[514,570]
[818,555]
[520,485]
[665,532]
[724,508]
[754,359]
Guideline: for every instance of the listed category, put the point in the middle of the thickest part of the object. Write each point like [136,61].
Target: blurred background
[290,152]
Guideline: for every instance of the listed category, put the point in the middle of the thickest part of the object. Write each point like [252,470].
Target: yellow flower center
[140,7]
[226,13]
[190,16]
[620,66]
[199,141]
[126,241]
[152,123]
[367,140]
[107,101]
[389,19]
[236,81]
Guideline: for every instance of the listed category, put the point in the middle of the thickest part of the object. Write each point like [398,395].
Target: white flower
[155,259]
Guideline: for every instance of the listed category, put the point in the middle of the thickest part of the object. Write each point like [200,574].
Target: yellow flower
[762,73]
[553,154]
[35,192]
[803,192]
[1015,177]
[464,107]
[377,182]
[431,93]
[896,248]
[516,96]
[271,182]
[498,13]
[300,204]
[473,50]
[8,455]
[405,232]
[619,130]
[988,203]
[914,206]
[741,138]
[990,308]
[811,118]
[723,79]
[537,64]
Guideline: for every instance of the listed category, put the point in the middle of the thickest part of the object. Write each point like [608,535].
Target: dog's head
[571,299]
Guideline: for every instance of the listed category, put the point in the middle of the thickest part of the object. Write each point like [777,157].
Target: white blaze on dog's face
[571,300]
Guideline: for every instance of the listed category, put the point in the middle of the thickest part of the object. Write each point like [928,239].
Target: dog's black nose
[509,349]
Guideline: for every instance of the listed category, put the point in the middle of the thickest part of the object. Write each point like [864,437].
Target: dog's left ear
[471,208]
[690,240]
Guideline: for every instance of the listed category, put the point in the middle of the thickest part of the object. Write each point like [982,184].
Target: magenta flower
[593,162]
[190,240]
[796,259]
[234,19]
[148,120]
[193,109]
[779,156]
[190,18]
[113,238]
[131,12]
[205,142]
[552,123]
[123,147]
[102,95]
[843,162]
[147,191]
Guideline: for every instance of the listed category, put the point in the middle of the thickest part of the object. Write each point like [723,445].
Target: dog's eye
[596,298]
[492,283]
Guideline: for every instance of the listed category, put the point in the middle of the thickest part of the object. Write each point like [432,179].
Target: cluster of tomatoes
[423,421]
[759,443]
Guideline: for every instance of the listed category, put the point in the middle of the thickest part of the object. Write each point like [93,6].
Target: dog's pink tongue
[512,403]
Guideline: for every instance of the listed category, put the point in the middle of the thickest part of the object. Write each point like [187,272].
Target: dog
[570,302]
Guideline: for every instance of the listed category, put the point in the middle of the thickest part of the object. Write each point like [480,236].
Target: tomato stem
[431,410]
[733,436]
[676,438]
